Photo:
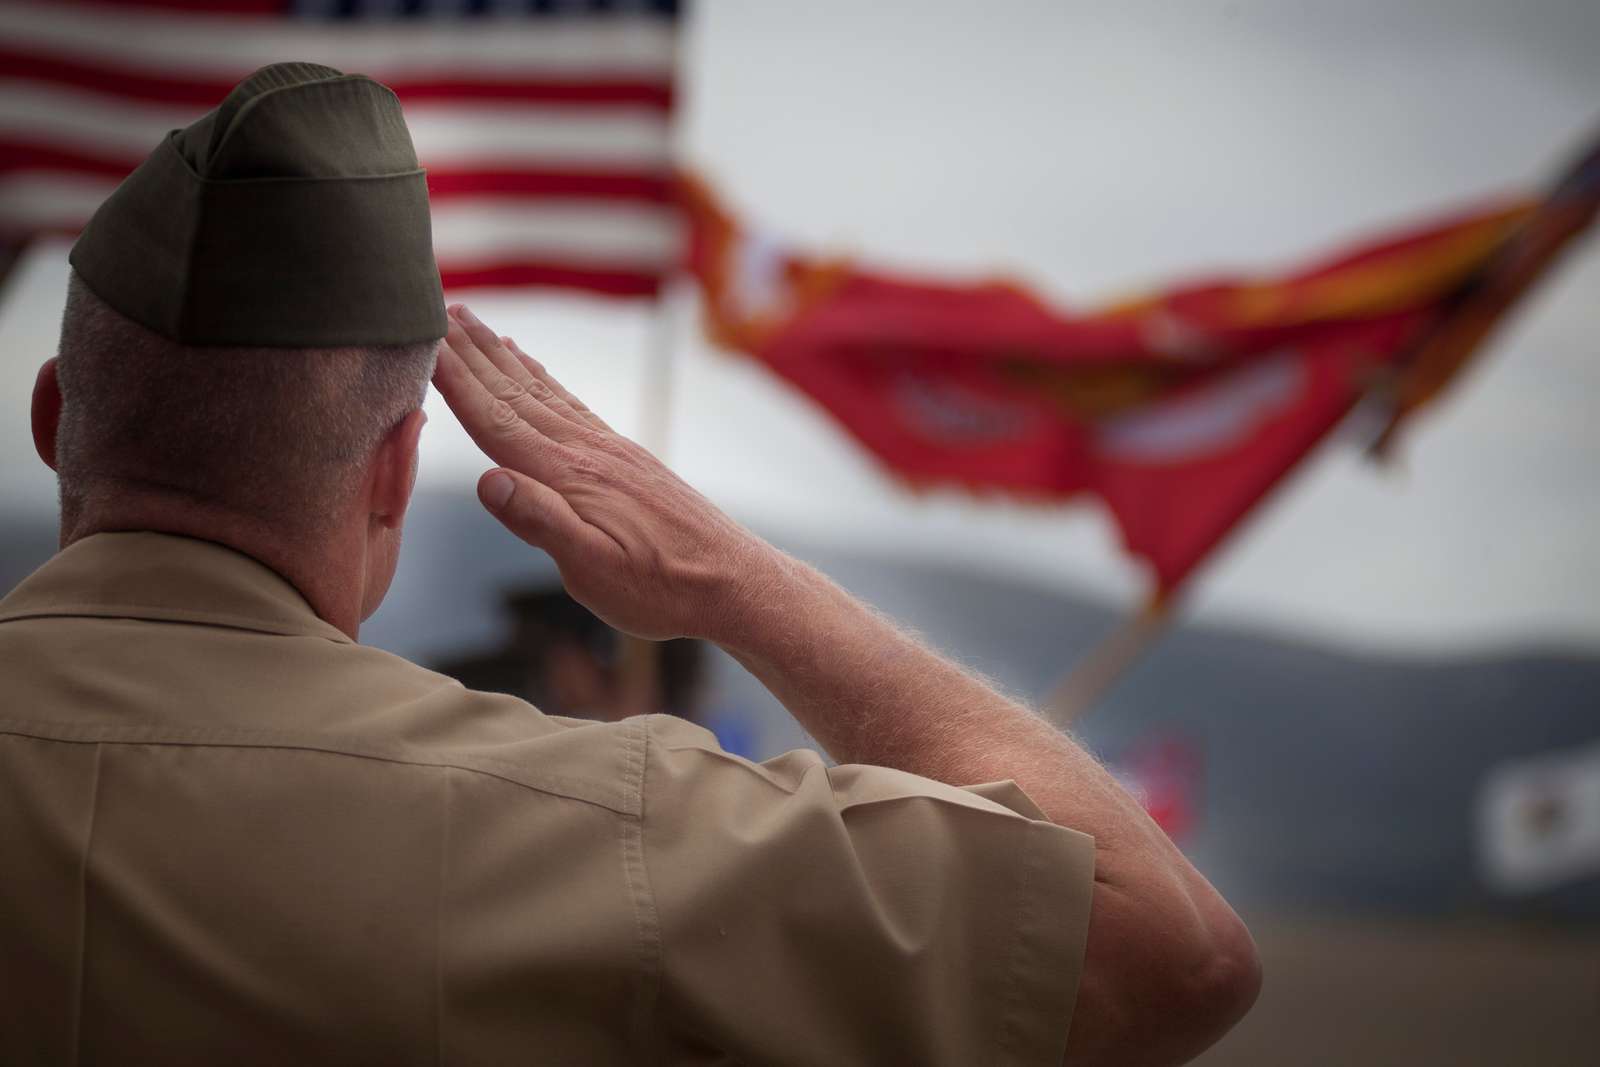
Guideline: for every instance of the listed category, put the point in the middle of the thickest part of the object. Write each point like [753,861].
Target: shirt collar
[167,578]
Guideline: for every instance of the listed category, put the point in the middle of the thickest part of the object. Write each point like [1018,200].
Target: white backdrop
[1093,149]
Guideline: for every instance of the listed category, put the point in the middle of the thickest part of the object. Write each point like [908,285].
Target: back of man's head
[275,435]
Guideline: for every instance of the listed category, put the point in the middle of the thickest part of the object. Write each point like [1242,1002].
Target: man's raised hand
[635,544]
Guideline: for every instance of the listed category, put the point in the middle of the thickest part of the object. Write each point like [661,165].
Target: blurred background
[1374,721]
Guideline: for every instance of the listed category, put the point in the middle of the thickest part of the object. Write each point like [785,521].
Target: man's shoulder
[433,717]
[135,681]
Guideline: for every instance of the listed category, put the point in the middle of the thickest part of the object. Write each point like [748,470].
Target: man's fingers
[503,434]
[479,361]
[537,514]
[487,342]
[531,400]
[493,361]
[537,369]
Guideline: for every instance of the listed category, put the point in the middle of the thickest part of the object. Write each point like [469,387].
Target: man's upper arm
[858,914]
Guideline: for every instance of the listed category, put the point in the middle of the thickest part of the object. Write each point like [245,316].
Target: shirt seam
[749,768]
[512,773]
[76,1035]
[636,874]
[439,908]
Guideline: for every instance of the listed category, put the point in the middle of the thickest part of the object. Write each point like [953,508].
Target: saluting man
[229,833]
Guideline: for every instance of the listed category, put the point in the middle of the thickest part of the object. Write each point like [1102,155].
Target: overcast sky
[1092,149]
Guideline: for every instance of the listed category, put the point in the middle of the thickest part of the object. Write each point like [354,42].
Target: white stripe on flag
[640,237]
[524,134]
[79,118]
[620,236]
[495,134]
[176,43]
[50,200]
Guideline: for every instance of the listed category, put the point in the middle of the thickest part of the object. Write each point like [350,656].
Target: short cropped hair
[277,434]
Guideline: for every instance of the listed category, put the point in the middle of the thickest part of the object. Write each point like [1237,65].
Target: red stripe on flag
[449,183]
[590,92]
[605,281]
[205,93]
[566,184]
[24,156]
[11,235]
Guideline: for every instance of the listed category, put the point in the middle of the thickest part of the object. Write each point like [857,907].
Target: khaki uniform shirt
[231,835]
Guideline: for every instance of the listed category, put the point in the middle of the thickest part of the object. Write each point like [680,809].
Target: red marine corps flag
[1179,411]
[545,127]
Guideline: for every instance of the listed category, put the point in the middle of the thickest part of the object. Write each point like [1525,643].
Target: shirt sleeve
[857,914]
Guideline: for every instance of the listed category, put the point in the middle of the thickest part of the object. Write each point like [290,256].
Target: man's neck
[326,568]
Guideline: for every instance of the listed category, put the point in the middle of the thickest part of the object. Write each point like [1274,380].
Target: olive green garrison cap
[292,216]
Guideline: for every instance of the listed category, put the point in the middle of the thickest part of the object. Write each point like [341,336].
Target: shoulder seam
[172,617]
[488,766]
[749,766]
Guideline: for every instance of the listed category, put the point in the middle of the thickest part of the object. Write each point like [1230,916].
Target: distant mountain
[1329,781]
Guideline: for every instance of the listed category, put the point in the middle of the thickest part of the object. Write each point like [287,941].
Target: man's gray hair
[277,434]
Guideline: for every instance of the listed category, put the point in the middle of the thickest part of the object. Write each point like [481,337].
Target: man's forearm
[870,693]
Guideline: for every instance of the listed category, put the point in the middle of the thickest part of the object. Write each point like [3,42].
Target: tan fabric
[228,834]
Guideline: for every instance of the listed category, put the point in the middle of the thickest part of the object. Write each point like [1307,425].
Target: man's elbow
[1162,985]
[1225,981]
[1211,989]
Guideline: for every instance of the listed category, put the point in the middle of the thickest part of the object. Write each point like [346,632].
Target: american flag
[545,126]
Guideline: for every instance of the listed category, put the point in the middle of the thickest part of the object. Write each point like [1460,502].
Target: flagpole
[1093,676]
[640,663]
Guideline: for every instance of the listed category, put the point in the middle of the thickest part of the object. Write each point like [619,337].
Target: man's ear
[46,412]
[395,470]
